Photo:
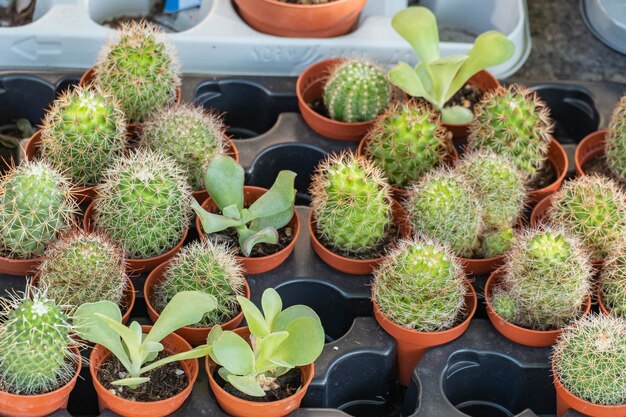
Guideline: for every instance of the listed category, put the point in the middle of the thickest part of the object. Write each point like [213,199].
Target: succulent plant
[407,141]
[35,208]
[83,133]
[514,122]
[35,354]
[442,206]
[208,267]
[547,279]
[613,283]
[351,203]
[590,357]
[356,91]
[421,286]
[140,69]
[593,208]
[616,141]
[495,242]
[143,204]
[83,268]
[188,135]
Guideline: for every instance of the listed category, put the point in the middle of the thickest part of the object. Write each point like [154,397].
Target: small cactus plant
[590,357]
[35,354]
[83,132]
[616,141]
[207,267]
[351,203]
[513,122]
[83,268]
[593,208]
[495,242]
[35,208]
[143,204]
[139,69]
[188,135]
[421,286]
[407,142]
[613,284]
[356,91]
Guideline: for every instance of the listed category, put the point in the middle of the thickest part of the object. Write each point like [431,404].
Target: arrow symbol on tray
[31,48]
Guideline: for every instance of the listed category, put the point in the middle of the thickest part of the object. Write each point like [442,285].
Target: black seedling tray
[481,373]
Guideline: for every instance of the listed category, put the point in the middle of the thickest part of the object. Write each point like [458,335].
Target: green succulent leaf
[131,382]
[232,212]
[256,322]
[405,77]
[304,343]
[418,26]
[288,315]
[278,199]
[246,384]
[443,73]
[224,181]
[233,353]
[212,222]
[267,235]
[272,305]
[214,334]
[197,352]
[456,115]
[266,349]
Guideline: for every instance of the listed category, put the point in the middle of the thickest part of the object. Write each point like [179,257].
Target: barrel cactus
[616,141]
[351,203]
[208,267]
[140,69]
[83,133]
[613,283]
[407,142]
[35,208]
[421,286]
[356,91]
[143,204]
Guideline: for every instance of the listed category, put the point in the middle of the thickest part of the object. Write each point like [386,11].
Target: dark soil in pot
[467,97]
[229,236]
[545,176]
[319,107]
[289,384]
[598,165]
[392,235]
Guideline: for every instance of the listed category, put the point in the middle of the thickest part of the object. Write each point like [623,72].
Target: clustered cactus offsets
[351,203]
[590,358]
[143,204]
[616,141]
[83,132]
[140,69]
[546,281]
[35,208]
[613,283]
[421,285]
[407,141]
[356,91]
[208,267]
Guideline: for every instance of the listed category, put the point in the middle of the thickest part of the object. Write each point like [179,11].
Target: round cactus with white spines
[613,283]
[616,141]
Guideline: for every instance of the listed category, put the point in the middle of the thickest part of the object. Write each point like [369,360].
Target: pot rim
[595,136]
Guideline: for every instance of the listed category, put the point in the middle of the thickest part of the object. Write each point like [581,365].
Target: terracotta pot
[238,407]
[558,158]
[194,335]
[137,265]
[358,266]
[13,405]
[127,408]
[231,151]
[262,263]
[19,266]
[603,308]
[518,334]
[413,344]
[309,88]
[589,148]
[301,21]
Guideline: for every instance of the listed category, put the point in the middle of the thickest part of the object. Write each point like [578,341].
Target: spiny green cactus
[590,357]
[495,242]
[407,142]
[504,305]
[613,283]
[616,141]
[83,132]
[443,206]
[351,203]
[188,135]
[143,204]
[513,121]
[421,285]
[547,277]
[593,208]
[35,354]
[356,91]
[140,69]
[35,207]
[83,268]
[207,267]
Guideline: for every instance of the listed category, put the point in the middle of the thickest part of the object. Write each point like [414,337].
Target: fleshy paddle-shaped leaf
[224,180]
[418,26]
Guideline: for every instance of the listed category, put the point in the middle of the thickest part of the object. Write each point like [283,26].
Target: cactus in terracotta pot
[613,283]
[616,141]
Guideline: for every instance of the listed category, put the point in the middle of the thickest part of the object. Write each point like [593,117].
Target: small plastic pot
[231,151]
[518,334]
[194,335]
[238,407]
[127,408]
[603,308]
[592,146]
[19,266]
[263,263]
[357,266]
[137,265]
[14,405]
[413,344]
[558,158]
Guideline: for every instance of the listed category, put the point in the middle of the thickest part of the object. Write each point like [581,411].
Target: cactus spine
[616,141]
[613,284]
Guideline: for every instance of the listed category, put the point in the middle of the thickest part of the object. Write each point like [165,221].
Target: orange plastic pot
[301,21]
[413,344]
[558,158]
[137,265]
[238,407]
[358,266]
[194,335]
[19,266]
[263,263]
[517,334]
[592,146]
[231,151]
[126,408]
[603,308]
[14,405]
